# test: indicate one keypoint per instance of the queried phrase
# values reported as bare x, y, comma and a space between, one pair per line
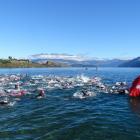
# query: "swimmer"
5, 101
18, 94
85, 93
17, 87
41, 94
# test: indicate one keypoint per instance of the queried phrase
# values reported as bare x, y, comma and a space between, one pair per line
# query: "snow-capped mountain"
77, 60
61, 56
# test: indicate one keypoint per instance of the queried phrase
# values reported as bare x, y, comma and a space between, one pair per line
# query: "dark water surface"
61, 117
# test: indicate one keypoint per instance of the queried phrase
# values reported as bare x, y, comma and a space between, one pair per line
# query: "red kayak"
135, 88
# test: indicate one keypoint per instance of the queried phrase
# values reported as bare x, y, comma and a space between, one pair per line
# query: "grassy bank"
25, 63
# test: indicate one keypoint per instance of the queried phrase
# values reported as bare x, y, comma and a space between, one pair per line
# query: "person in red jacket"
135, 88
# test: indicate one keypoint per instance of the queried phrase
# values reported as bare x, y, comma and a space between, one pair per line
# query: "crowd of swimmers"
17, 86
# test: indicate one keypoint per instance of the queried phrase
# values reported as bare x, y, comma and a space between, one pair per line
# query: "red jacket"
135, 88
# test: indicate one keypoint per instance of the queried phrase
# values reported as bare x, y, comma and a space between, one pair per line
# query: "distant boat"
96, 68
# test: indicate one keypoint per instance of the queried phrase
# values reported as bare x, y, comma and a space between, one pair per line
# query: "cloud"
72, 57
60, 56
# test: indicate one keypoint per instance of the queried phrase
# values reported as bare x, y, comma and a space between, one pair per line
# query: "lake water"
61, 117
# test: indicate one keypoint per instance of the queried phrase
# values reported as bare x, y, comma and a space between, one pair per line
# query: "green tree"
10, 58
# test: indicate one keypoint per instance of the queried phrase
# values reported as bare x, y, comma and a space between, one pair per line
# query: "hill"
25, 63
132, 63
86, 63
77, 60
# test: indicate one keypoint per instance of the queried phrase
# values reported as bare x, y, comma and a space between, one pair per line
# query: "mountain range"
132, 63
82, 61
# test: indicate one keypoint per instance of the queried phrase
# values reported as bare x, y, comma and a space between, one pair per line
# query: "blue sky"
97, 28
